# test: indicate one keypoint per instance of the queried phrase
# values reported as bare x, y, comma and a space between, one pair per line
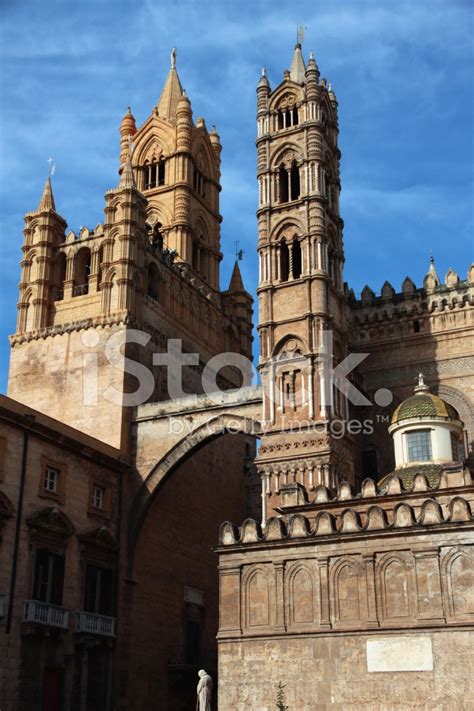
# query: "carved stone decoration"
430, 514
259, 592
459, 510
321, 494
228, 534
420, 483
376, 519
403, 516
394, 485
344, 491
394, 573
298, 526
350, 521
275, 529
346, 582
250, 531
324, 524
368, 489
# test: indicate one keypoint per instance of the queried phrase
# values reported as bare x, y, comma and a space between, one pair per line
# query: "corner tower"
300, 289
177, 167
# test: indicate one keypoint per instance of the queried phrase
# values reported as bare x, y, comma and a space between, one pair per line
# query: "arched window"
161, 172
61, 276
283, 178
199, 183
82, 270
288, 117
369, 464
284, 262
153, 281
154, 174
280, 120
296, 261
100, 259
295, 116
195, 256
295, 181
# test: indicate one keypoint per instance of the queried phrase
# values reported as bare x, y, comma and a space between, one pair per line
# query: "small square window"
51, 480
98, 496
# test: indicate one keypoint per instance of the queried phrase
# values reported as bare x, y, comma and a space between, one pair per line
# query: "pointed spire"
47, 199
172, 92
297, 69
431, 279
236, 283
263, 82
127, 180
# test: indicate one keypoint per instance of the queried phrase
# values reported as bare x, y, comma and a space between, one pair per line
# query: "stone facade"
303, 600
59, 529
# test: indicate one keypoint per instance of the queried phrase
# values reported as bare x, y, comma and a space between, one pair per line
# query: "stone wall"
303, 601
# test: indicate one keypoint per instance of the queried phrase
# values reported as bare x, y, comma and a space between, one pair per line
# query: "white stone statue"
204, 691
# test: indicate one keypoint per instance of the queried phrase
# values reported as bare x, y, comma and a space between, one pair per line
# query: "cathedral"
308, 540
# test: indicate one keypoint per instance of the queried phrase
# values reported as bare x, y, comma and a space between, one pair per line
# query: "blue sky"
402, 72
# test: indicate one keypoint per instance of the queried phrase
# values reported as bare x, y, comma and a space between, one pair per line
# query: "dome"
423, 404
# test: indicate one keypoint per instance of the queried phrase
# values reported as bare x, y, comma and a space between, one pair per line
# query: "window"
153, 281
155, 174
296, 249
283, 180
457, 448
284, 262
193, 642
51, 480
419, 446
294, 181
369, 464
98, 590
199, 183
416, 326
49, 577
98, 497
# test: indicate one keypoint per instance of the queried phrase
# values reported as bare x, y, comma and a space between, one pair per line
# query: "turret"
238, 304
128, 128
44, 231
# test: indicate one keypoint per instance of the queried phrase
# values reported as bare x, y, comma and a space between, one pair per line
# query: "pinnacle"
236, 283
47, 199
297, 69
172, 92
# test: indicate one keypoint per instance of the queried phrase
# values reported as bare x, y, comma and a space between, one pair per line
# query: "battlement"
415, 310
373, 510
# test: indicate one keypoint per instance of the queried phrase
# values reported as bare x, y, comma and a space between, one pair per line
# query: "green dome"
424, 404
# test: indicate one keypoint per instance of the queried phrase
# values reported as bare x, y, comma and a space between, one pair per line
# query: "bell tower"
300, 293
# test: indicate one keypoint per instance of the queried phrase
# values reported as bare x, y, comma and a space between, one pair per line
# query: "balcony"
42, 613
90, 623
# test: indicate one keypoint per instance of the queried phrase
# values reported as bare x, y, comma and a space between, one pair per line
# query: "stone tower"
177, 167
300, 282
90, 303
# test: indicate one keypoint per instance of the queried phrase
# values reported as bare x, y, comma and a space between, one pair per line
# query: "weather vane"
52, 167
300, 34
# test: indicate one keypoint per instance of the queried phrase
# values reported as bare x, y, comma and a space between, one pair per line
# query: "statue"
204, 691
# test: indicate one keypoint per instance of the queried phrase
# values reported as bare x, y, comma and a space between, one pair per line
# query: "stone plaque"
399, 654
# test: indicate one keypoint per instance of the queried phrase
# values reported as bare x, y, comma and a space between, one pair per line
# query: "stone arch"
258, 585
395, 587
300, 595
458, 578
465, 409
346, 597
281, 346
180, 452
285, 154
